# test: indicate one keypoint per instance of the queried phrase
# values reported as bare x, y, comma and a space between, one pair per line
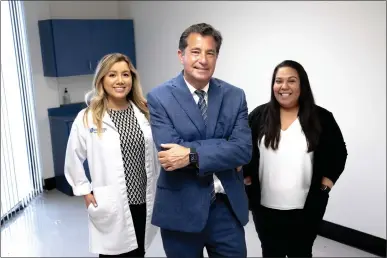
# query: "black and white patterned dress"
133, 153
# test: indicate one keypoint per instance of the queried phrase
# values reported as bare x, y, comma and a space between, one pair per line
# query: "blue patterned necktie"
202, 104
203, 109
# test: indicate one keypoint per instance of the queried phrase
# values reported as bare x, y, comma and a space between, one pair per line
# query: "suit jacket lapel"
215, 97
187, 103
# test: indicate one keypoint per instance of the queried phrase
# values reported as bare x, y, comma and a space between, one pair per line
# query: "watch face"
193, 158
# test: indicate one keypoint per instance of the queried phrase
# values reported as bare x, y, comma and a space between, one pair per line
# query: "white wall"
48, 91
342, 45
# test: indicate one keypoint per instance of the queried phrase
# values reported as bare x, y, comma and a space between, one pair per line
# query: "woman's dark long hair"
306, 113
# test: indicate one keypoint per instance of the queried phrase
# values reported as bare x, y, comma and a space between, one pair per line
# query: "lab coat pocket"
104, 216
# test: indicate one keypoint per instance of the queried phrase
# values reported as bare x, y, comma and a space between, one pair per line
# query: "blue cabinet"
112, 36
73, 47
69, 44
61, 120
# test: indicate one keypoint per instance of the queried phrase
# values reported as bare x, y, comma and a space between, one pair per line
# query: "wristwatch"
193, 157
325, 188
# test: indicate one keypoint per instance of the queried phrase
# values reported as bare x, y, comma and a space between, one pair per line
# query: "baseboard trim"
49, 183
355, 238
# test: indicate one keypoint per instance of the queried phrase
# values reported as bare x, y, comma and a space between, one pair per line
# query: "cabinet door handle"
89, 65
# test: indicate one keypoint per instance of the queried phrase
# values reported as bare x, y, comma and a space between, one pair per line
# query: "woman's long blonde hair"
96, 99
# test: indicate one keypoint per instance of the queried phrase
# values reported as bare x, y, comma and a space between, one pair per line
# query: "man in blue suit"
200, 128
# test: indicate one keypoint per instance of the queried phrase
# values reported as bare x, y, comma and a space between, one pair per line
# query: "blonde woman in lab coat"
114, 135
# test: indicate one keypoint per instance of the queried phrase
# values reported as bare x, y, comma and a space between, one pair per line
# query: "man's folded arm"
214, 154
163, 130
231, 153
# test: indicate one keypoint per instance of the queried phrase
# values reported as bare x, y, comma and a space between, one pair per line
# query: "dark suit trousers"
223, 235
283, 232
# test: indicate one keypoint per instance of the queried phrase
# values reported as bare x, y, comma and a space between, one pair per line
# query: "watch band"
193, 157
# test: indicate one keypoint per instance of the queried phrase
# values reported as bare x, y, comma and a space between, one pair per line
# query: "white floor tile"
55, 225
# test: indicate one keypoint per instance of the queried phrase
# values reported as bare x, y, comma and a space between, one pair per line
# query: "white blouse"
285, 174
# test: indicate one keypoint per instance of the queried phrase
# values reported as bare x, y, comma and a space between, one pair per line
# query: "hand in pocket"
247, 180
89, 198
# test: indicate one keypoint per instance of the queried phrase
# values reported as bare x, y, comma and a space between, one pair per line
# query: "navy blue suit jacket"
183, 196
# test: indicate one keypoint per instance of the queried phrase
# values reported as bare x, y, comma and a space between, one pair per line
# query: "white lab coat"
111, 229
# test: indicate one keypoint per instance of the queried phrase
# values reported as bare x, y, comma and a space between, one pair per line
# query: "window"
20, 166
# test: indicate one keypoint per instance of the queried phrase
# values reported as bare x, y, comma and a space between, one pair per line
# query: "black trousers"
283, 232
139, 220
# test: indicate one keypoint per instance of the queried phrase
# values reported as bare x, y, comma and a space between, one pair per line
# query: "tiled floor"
55, 225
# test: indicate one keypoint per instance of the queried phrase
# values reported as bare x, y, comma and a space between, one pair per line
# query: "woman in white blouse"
113, 133
298, 154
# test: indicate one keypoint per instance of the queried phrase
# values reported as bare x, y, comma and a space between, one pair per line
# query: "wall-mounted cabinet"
73, 46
